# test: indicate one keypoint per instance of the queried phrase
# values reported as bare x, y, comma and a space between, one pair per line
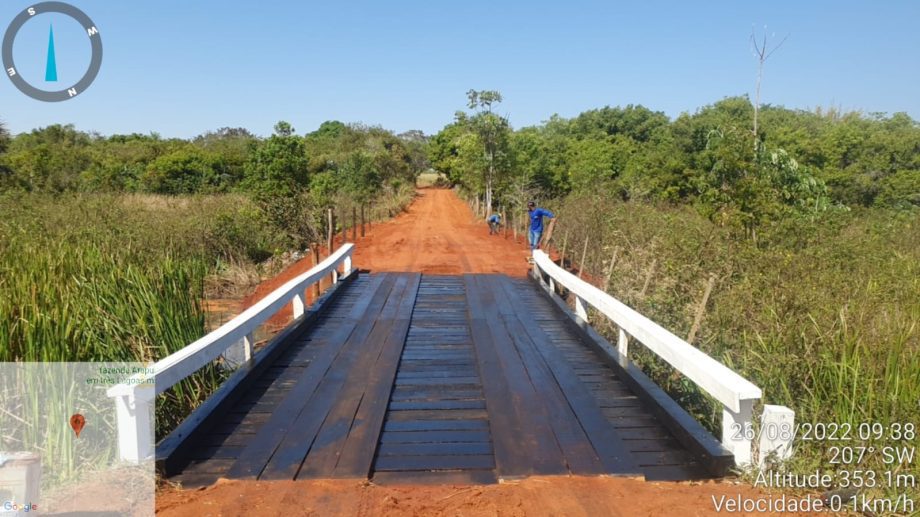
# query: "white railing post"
335, 276
623, 343
552, 285
298, 305
738, 431
248, 343
736, 393
134, 414
240, 352
580, 310
347, 266
777, 427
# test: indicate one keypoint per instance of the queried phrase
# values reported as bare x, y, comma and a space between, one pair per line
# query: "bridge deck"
434, 378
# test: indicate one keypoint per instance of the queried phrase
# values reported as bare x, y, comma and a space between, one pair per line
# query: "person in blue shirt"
536, 224
495, 222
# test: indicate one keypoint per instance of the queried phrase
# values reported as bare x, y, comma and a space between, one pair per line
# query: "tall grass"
823, 314
121, 277
117, 278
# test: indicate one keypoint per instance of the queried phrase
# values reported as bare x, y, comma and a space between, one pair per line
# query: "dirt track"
535, 496
439, 235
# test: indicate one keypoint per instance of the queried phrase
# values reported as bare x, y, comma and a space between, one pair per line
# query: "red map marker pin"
76, 423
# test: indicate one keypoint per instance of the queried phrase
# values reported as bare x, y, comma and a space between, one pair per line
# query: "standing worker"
536, 223
495, 223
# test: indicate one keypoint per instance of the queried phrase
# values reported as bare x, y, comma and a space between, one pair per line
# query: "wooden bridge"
418, 378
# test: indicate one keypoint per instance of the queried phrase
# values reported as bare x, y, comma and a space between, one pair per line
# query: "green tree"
277, 176
184, 171
493, 131
49, 159
119, 162
278, 165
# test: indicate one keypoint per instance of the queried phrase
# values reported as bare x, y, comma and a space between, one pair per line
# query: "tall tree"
493, 130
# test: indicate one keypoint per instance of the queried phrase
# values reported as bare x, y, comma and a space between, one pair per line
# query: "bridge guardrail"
736, 394
134, 399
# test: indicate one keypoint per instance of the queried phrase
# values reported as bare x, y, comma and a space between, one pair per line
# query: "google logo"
12, 506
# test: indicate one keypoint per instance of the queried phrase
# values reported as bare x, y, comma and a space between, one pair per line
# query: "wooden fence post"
584, 256
344, 225
648, 277
613, 261
314, 247
565, 242
701, 310
331, 229
362, 221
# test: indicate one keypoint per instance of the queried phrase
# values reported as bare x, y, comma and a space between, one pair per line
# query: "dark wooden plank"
663, 458
644, 433
433, 436
323, 424
436, 425
674, 472
605, 439
439, 404
357, 454
522, 440
445, 381
222, 452
214, 440
436, 449
443, 414
654, 445
437, 374
403, 463
254, 458
432, 395
576, 446
215, 466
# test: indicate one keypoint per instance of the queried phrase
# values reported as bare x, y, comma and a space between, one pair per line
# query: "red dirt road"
440, 235
535, 496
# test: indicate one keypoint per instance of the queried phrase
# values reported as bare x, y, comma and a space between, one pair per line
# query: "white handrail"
133, 396
736, 393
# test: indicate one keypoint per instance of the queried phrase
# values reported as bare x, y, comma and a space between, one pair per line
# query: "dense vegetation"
800, 162
809, 233
808, 230
291, 178
108, 244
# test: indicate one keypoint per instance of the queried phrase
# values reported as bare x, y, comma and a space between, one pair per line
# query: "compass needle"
51, 64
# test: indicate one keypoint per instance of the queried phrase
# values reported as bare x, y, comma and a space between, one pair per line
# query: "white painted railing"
134, 399
736, 393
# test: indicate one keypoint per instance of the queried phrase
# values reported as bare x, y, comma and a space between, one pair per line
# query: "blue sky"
180, 68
